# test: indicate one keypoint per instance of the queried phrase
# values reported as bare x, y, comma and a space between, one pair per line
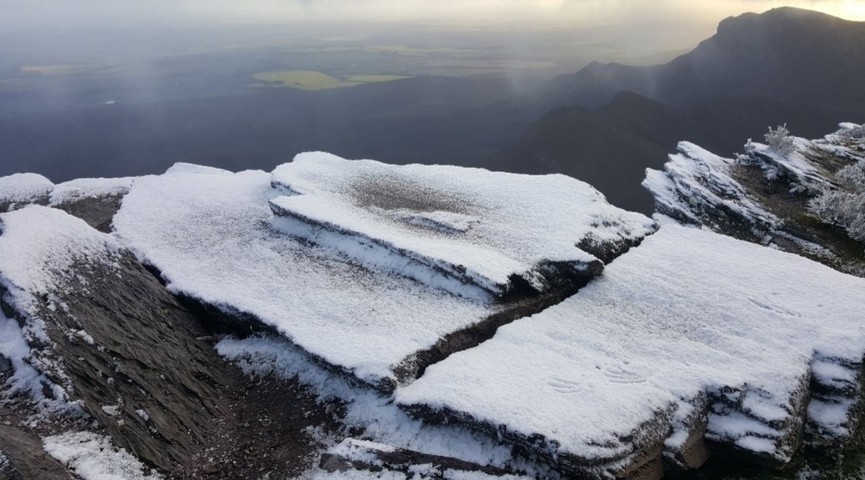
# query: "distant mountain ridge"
782, 54
798, 67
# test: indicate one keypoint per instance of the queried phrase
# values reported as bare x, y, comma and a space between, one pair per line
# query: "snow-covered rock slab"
690, 334
40, 246
82, 188
23, 188
451, 227
209, 233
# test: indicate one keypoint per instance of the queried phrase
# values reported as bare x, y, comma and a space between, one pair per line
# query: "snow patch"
22, 188
77, 189
831, 416
94, 457
142, 414
24, 378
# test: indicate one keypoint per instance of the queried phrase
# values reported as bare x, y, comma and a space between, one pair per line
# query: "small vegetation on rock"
780, 140
845, 206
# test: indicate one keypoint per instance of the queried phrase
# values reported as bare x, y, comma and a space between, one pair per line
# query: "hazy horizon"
644, 31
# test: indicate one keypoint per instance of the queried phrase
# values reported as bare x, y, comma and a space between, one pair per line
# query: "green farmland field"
313, 80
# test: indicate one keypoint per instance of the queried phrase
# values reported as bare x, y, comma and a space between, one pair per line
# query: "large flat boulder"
454, 227
216, 241
692, 336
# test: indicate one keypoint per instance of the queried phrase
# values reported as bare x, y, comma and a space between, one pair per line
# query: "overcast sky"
531, 13
629, 31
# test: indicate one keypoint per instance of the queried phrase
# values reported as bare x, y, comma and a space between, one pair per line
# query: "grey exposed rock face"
140, 353
22, 457
142, 365
96, 211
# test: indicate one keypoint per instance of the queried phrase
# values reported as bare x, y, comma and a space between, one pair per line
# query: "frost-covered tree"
780, 140
845, 206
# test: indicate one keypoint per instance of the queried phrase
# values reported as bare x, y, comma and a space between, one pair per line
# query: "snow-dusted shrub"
747, 158
845, 206
856, 132
780, 140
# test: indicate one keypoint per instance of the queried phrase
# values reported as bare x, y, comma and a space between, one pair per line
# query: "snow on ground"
23, 188
208, 232
89, 188
40, 246
376, 415
689, 313
94, 457
468, 225
25, 378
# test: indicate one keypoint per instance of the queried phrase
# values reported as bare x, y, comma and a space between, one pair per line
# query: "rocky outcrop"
763, 196
96, 211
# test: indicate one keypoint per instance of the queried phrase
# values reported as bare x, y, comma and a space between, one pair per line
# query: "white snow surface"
94, 457
686, 313
24, 188
208, 232
24, 377
89, 188
831, 416
475, 225
40, 245
836, 376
